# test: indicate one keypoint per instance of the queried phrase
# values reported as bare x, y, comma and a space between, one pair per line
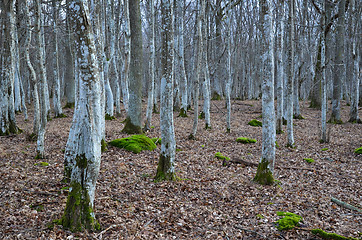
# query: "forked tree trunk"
83, 152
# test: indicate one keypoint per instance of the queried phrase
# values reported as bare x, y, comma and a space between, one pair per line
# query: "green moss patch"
245, 140
218, 155
255, 123
134, 143
156, 140
358, 150
324, 235
324, 149
309, 160
263, 174
289, 220
43, 164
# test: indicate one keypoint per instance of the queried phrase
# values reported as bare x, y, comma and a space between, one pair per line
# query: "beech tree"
83, 151
8, 67
166, 168
264, 174
134, 118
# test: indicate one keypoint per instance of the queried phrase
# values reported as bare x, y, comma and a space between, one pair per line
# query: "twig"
105, 230
345, 205
248, 230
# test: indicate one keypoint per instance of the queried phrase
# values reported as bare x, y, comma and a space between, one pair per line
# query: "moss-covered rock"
255, 123
245, 140
333, 236
218, 155
134, 143
358, 150
309, 160
289, 220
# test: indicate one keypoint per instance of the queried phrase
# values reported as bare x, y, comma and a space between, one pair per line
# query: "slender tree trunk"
280, 73
83, 150
323, 76
229, 80
290, 81
127, 57
42, 81
134, 118
197, 70
166, 168
151, 88
264, 174
206, 88
58, 112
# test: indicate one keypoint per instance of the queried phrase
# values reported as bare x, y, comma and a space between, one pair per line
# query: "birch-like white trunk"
42, 82
166, 164
7, 109
58, 112
290, 81
83, 151
207, 87
127, 57
229, 80
323, 76
197, 70
339, 69
280, 73
264, 174
354, 115
151, 87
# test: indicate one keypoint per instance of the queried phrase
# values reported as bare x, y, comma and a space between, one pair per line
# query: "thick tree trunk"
264, 174
339, 65
166, 168
7, 109
134, 118
83, 152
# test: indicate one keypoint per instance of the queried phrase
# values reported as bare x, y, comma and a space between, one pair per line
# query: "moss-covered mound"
309, 160
134, 143
289, 220
255, 123
220, 156
358, 150
245, 140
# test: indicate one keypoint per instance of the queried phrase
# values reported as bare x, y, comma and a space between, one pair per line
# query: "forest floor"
211, 201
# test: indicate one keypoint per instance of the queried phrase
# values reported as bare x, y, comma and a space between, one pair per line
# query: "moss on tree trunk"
264, 175
163, 170
130, 128
78, 214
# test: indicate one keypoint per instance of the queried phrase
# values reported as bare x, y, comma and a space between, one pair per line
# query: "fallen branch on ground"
345, 205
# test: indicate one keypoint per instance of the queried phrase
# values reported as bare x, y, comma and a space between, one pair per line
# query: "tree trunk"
280, 73
339, 65
7, 109
166, 168
290, 81
151, 88
264, 174
83, 150
323, 76
134, 118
